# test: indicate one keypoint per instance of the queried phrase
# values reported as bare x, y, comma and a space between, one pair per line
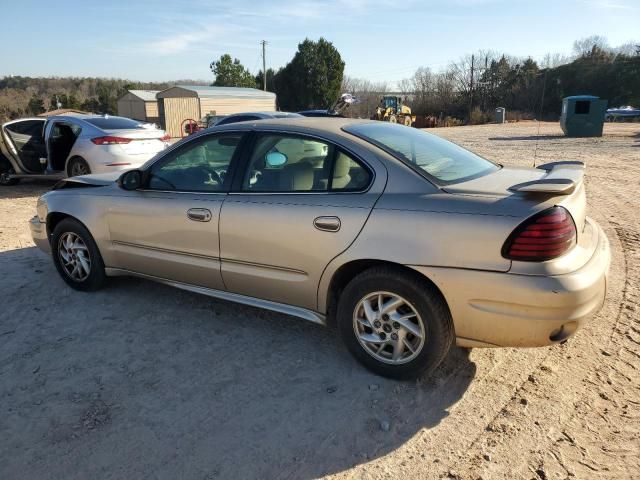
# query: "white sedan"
71, 145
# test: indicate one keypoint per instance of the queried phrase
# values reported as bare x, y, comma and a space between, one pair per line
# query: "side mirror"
276, 159
131, 180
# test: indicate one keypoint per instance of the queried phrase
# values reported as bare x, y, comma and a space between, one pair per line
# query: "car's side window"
287, 163
198, 166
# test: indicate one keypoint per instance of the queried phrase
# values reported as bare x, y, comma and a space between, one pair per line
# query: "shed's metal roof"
146, 95
204, 91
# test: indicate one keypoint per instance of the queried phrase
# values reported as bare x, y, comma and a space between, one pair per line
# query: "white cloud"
612, 5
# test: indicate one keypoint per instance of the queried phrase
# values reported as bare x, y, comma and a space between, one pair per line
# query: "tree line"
471, 88
468, 90
28, 96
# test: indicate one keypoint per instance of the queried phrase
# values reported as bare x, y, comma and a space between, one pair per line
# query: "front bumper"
494, 309
39, 234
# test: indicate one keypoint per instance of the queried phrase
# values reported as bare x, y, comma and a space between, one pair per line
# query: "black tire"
79, 165
427, 302
5, 170
96, 277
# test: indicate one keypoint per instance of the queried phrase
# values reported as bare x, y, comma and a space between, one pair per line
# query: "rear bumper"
39, 234
493, 309
113, 163
111, 158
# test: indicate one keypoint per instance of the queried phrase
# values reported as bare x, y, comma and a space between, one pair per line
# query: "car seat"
296, 177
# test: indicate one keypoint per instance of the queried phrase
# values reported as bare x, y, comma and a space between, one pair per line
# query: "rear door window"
296, 164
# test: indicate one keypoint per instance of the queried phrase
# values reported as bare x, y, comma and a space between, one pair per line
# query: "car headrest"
297, 176
342, 166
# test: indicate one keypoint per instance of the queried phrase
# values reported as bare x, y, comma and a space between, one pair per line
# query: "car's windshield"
115, 123
439, 159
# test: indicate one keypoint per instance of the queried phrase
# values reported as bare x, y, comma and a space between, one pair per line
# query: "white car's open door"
22, 143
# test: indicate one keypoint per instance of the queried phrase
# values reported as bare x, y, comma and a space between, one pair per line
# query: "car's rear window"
436, 158
286, 115
115, 123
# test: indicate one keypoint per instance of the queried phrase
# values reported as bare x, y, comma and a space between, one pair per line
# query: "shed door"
177, 110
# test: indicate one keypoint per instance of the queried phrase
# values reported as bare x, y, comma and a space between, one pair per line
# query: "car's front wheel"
76, 256
395, 323
6, 170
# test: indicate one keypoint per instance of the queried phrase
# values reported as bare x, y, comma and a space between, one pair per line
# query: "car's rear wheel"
78, 166
395, 323
76, 256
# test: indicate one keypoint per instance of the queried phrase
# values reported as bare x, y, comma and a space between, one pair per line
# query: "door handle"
199, 214
327, 224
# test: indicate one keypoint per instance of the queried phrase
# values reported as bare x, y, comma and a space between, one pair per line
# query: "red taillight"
544, 236
109, 140
166, 138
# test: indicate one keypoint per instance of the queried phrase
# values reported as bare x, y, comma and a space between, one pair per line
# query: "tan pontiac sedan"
404, 241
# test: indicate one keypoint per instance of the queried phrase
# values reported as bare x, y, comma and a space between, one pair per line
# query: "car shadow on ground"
142, 380
529, 137
26, 188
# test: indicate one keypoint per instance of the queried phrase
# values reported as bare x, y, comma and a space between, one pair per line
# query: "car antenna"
544, 86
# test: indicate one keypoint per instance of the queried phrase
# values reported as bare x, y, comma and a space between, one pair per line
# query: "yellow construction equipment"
393, 110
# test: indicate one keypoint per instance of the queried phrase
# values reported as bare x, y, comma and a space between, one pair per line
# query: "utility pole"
264, 65
471, 88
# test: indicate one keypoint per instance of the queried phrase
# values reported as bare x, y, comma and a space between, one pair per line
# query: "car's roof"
265, 114
85, 116
327, 124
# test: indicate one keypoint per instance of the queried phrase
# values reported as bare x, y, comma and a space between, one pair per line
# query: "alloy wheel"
79, 168
74, 256
389, 328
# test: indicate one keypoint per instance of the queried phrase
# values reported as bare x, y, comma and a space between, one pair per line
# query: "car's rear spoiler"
562, 178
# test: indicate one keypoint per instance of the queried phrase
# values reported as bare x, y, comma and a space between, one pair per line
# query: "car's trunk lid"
143, 141
556, 183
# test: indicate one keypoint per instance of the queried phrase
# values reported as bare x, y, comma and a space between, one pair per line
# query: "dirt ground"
143, 381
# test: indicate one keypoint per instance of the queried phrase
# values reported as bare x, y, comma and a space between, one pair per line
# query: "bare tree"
406, 87
553, 60
585, 45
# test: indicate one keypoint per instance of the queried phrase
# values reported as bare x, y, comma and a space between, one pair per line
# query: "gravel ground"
143, 381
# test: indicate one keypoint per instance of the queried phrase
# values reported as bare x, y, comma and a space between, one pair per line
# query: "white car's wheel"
5, 171
78, 166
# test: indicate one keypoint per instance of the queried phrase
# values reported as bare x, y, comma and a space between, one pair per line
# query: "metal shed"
140, 105
189, 102
583, 116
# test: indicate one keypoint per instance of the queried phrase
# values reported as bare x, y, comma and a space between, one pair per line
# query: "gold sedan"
404, 241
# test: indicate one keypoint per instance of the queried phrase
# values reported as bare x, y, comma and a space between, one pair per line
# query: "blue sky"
378, 39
